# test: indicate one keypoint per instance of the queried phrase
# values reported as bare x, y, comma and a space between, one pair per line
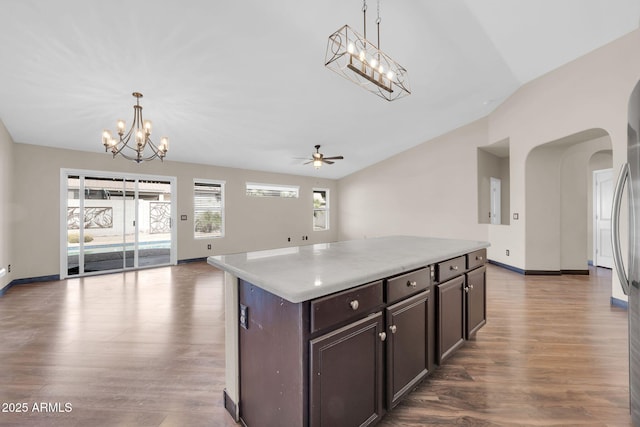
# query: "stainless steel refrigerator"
630, 174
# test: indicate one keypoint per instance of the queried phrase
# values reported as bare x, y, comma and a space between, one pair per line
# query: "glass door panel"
154, 222
129, 222
73, 225
102, 224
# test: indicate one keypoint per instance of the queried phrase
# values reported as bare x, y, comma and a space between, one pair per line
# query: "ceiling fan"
318, 158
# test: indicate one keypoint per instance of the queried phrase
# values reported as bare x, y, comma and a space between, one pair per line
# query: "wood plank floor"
146, 348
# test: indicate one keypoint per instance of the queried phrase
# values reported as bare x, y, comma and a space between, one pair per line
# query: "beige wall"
590, 92
251, 223
6, 184
429, 190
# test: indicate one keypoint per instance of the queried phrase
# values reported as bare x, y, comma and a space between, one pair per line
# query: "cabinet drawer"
452, 268
476, 259
340, 307
408, 284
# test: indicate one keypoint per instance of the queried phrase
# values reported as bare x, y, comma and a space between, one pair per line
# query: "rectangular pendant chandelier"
355, 58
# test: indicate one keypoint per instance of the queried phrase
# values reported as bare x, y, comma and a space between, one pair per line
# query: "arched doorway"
557, 199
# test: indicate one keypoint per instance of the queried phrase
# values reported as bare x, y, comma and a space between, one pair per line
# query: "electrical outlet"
209, 246
515, 215
507, 252
288, 239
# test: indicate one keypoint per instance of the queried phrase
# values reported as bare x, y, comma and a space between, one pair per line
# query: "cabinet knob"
393, 329
354, 304
466, 289
479, 258
383, 336
412, 283
470, 286
453, 267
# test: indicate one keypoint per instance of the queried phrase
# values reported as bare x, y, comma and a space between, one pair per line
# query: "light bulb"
381, 69
361, 56
147, 126
351, 48
390, 75
121, 125
106, 136
140, 136
373, 63
317, 164
164, 144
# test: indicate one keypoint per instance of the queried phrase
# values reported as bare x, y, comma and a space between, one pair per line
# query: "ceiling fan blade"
306, 163
329, 162
334, 158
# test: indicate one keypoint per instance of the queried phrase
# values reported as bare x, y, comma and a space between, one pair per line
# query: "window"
272, 190
208, 209
320, 209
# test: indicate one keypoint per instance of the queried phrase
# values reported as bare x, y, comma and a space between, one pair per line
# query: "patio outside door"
115, 223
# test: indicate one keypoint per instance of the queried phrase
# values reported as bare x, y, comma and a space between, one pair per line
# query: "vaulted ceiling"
243, 83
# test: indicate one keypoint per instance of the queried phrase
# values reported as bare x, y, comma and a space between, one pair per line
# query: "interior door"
603, 198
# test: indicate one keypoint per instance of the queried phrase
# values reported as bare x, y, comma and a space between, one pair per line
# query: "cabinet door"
476, 301
407, 346
346, 375
450, 317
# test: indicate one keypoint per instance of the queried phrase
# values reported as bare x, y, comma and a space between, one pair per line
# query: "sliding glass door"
116, 222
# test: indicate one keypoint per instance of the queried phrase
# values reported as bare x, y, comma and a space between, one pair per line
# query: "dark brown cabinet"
347, 358
475, 301
451, 327
407, 326
461, 301
346, 375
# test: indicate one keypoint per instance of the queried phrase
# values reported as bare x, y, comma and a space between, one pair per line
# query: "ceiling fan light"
317, 163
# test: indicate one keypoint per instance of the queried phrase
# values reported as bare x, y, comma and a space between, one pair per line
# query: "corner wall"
6, 185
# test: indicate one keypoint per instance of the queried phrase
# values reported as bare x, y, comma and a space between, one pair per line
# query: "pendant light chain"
364, 14
378, 24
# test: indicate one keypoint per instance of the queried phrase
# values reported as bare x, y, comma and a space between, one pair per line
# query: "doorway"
602, 199
496, 204
113, 222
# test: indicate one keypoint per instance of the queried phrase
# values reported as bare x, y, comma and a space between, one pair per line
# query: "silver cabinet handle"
393, 329
412, 283
466, 289
383, 336
354, 304
615, 228
453, 267
478, 258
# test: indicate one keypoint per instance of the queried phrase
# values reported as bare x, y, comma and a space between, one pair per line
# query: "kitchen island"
337, 334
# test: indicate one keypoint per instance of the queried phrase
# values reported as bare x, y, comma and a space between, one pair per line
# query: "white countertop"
303, 273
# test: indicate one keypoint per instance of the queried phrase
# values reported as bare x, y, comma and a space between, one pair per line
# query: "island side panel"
273, 360
232, 385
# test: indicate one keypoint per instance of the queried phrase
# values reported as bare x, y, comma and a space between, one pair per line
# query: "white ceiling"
243, 83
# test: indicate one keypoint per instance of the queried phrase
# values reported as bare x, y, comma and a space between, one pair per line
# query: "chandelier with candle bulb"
359, 60
139, 135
